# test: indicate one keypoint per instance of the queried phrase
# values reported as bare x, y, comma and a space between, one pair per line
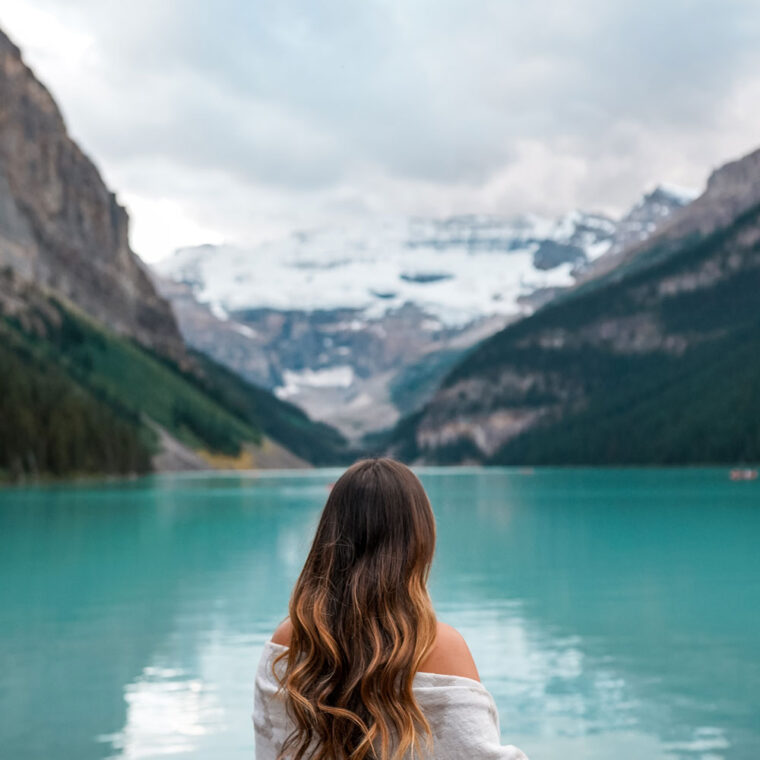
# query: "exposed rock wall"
60, 226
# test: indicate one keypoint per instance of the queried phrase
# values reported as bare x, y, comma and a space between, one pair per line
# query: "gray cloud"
426, 106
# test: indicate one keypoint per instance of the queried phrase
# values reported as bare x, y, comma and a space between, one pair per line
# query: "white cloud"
235, 120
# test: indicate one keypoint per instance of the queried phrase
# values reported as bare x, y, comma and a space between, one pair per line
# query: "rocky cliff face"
648, 216
61, 229
648, 349
731, 190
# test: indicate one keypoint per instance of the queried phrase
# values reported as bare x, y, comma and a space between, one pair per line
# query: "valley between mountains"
478, 339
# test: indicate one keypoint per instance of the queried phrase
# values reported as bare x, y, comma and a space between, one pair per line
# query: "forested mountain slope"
94, 375
658, 362
75, 398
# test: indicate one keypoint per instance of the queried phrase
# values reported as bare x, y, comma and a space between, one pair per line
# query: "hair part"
362, 620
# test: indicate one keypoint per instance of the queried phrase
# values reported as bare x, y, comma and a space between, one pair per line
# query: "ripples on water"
612, 614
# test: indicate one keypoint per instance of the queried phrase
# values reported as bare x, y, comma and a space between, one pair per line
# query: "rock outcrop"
60, 227
731, 190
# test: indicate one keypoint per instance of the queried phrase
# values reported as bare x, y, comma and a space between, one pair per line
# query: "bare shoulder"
282, 634
450, 655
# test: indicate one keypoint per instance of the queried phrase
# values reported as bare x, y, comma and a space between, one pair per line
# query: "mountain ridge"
577, 380
341, 321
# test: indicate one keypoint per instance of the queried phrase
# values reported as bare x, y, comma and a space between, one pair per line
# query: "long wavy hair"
362, 621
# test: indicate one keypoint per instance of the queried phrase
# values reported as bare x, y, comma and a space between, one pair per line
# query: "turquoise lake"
614, 615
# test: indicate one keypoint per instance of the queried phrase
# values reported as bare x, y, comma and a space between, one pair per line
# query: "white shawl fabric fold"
461, 712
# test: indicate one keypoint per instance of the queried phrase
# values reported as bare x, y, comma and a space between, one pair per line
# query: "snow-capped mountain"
644, 218
456, 269
356, 323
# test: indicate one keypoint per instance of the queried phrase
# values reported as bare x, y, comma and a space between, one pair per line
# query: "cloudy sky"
237, 120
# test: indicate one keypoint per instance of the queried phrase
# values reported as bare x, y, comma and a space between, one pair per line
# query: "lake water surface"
614, 615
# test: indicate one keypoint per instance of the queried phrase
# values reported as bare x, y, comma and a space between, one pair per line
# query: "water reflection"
611, 614
167, 712
630, 614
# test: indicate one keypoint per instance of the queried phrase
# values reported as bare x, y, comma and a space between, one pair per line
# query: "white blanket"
461, 712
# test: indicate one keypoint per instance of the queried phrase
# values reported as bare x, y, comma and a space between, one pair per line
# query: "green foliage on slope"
701, 408
79, 399
51, 425
619, 294
699, 403
286, 423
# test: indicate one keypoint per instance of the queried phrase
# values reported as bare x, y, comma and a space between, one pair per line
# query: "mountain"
652, 212
60, 226
655, 361
731, 189
94, 374
359, 324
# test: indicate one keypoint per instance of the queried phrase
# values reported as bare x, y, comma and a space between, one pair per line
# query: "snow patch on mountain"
456, 270
357, 324
333, 377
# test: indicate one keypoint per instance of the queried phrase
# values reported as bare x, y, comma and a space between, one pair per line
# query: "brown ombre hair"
362, 620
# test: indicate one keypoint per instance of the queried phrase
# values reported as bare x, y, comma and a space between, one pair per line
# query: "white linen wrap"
461, 712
